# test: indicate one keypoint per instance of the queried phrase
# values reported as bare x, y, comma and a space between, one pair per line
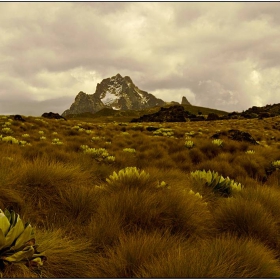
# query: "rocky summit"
118, 93
185, 101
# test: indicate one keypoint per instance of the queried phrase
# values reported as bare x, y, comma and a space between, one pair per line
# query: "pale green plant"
43, 138
276, 163
95, 138
41, 132
124, 133
163, 185
197, 194
54, 133
250, 152
89, 131
7, 130
76, 127
17, 241
110, 159
10, 139
84, 147
189, 144
218, 142
99, 154
129, 150
168, 132
56, 141
22, 143
217, 182
128, 172
8, 123
25, 135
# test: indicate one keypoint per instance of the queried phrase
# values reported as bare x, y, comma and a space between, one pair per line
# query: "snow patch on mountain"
109, 98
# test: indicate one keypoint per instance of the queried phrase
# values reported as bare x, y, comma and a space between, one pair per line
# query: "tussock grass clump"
142, 214
243, 217
223, 257
67, 258
267, 197
177, 211
125, 258
78, 202
209, 149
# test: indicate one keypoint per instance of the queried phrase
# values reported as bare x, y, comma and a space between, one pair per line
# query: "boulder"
19, 118
52, 115
171, 114
213, 117
236, 135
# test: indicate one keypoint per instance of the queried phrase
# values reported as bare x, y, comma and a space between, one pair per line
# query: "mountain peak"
185, 101
118, 93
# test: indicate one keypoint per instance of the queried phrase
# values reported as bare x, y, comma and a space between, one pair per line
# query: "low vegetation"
145, 200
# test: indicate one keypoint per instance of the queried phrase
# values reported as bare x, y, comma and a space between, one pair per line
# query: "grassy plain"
94, 217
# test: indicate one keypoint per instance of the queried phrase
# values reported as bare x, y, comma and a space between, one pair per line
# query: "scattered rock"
263, 115
152, 128
236, 135
197, 119
276, 126
171, 114
213, 117
52, 115
19, 118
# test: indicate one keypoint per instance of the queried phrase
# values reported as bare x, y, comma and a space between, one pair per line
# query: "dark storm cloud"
223, 54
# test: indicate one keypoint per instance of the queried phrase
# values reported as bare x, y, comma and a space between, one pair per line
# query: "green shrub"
17, 241
219, 184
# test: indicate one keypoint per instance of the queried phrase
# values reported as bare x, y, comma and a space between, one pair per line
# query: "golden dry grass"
155, 221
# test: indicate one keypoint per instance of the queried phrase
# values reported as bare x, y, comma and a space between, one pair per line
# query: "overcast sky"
223, 55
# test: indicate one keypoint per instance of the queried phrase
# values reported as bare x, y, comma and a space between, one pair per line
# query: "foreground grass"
116, 200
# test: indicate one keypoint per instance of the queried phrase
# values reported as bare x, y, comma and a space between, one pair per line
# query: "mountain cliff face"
185, 101
84, 103
118, 93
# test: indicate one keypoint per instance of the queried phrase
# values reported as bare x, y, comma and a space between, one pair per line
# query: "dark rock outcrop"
237, 135
213, 117
172, 114
197, 119
18, 118
52, 115
151, 128
118, 93
185, 101
262, 112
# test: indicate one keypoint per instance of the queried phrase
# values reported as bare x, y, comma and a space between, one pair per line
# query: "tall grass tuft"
177, 211
67, 258
243, 217
125, 258
222, 257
